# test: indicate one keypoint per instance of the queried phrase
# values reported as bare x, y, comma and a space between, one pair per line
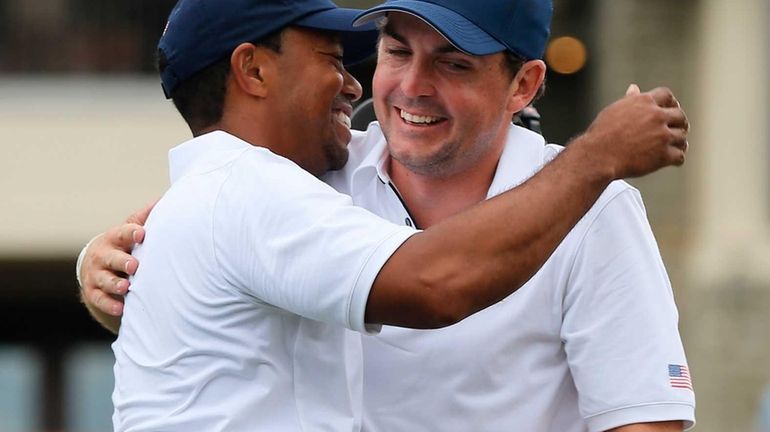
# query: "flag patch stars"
679, 376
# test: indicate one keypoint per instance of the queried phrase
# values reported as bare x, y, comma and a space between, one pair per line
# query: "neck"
431, 199
253, 119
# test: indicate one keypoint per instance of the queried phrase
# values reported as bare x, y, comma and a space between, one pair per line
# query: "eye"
397, 52
456, 66
337, 57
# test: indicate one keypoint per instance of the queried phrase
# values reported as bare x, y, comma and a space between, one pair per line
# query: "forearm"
479, 257
470, 261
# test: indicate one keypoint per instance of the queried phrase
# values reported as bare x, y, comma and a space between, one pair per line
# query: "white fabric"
251, 271
584, 346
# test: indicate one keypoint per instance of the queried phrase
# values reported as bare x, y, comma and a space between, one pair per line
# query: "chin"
339, 162
337, 157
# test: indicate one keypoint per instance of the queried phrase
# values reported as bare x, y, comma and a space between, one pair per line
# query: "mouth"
342, 110
342, 117
415, 119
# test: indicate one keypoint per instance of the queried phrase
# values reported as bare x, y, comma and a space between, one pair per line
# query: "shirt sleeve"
290, 241
620, 323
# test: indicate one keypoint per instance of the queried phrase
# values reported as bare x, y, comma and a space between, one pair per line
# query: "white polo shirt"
251, 273
588, 344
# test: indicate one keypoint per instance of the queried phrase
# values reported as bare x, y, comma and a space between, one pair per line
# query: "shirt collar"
375, 163
191, 156
523, 156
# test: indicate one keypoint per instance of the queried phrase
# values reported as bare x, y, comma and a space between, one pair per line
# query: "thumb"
633, 89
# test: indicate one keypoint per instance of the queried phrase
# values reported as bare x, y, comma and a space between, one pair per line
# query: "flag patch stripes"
679, 376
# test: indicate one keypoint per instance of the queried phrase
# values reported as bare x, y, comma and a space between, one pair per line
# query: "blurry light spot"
566, 55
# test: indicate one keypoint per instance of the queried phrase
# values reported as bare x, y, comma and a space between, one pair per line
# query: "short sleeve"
290, 241
620, 323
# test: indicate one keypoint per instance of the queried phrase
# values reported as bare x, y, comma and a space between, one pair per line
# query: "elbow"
444, 306
445, 318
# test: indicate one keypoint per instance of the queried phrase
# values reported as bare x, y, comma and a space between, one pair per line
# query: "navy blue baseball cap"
201, 32
480, 27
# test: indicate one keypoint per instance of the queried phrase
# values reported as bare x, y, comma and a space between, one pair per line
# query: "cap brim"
359, 42
459, 31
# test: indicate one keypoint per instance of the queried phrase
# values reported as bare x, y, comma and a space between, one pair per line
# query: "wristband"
80, 259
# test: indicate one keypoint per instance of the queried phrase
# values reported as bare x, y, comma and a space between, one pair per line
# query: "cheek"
384, 81
378, 85
379, 96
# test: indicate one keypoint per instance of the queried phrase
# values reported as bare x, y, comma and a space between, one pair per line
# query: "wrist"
591, 159
81, 257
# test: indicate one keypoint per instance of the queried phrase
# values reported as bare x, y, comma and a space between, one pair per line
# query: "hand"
639, 133
107, 264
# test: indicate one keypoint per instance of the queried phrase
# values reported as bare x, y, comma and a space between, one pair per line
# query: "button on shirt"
252, 273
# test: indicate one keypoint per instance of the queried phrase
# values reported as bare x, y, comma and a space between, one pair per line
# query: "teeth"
342, 118
411, 118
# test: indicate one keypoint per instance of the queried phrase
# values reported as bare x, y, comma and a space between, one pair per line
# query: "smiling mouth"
343, 118
419, 120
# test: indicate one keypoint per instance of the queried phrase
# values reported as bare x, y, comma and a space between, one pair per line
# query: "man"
644, 119
600, 348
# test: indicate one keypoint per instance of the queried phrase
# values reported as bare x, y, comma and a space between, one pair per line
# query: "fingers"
109, 282
140, 217
632, 90
104, 268
679, 125
125, 237
116, 261
107, 260
663, 97
676, 118
676, 155
679, 139
109, 304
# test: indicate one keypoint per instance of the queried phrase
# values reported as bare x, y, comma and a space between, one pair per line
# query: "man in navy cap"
260, 343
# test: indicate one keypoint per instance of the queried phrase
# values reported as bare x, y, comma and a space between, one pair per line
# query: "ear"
525, 84
252, 68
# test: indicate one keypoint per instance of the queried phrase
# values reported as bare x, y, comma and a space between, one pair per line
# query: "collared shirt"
252, 272
588, 344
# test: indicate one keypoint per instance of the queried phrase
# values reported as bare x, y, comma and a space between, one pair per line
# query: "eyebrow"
448, 48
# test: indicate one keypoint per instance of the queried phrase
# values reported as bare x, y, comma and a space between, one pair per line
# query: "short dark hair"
512, 63
200, 99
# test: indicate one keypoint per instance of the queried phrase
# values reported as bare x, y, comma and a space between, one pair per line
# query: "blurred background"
84, 131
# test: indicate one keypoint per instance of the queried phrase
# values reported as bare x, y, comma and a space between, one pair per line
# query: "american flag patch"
679, 376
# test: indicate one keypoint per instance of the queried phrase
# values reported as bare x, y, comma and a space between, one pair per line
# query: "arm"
470, 261
104, 265
620, 323
477, 258
675, 426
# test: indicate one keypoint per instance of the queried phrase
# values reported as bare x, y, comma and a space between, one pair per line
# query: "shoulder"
617, 212
259, 163
619, 190
261, 179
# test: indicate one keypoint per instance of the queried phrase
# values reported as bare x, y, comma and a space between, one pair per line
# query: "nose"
416, 80
351, 88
